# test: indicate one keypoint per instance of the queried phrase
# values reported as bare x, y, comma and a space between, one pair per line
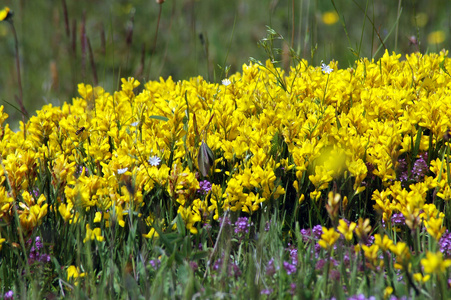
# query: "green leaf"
161, 118
417, 143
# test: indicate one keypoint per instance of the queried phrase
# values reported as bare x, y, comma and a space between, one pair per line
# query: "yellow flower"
434, 263
363, 229
420, 20
436, 37
32, 213
328, 238
420, 278
5, 13
92, 234
388, 291
98, 217
333, 204
435, 227
384, 243
371, 253
402, 252
74, 272
330, 17
2, 240
346, 230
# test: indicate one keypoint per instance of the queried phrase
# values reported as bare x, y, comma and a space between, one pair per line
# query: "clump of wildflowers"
9, 295
205, 187
232, 268
35, 252
242, 226
445, 244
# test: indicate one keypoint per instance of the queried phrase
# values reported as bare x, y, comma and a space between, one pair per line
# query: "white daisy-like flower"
122, 171
326, 69
226, 82
154, 160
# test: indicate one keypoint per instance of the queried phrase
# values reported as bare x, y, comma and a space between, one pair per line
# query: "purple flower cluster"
397, 219
266, 292
35, 255
419, 169
361, 297
312, 234
445, 243
242, 226
271, 268
232, 268
9, 295
194, 266
226, 221
205, 187
290, 268
155, 263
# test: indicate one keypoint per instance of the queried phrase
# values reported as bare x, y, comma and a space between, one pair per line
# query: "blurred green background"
195, 37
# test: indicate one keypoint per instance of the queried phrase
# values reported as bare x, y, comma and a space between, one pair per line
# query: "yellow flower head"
330, 17
434, 263
328, 238
74, 272
5, 14
346, 230
436, 37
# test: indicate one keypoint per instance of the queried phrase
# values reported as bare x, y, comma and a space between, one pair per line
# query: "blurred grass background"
195, 37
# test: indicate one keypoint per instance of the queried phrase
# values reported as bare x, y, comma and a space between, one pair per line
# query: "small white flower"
154, 160
134, 124
326, 69
122, 171
226, 82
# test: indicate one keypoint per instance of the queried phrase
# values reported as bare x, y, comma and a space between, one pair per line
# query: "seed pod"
205, 159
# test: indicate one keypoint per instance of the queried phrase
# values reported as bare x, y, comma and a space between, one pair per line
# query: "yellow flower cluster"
333, 124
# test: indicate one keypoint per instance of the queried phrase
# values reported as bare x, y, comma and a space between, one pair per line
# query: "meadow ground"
309, 160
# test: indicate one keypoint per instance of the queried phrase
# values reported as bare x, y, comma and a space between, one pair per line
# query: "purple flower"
267, 226
226, 221
292, 288
242, 226
445, 243
317, 231
289, 268
398, 219
36, 192
234, 270
271, 268
294, 256
207, 227
217, 264
361, 297
320, 264
193, 265
38, 243
155, 263
419, 169
335, 275
306, 235
9, 295
205, 187
35, 255
266, 292
45, 258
